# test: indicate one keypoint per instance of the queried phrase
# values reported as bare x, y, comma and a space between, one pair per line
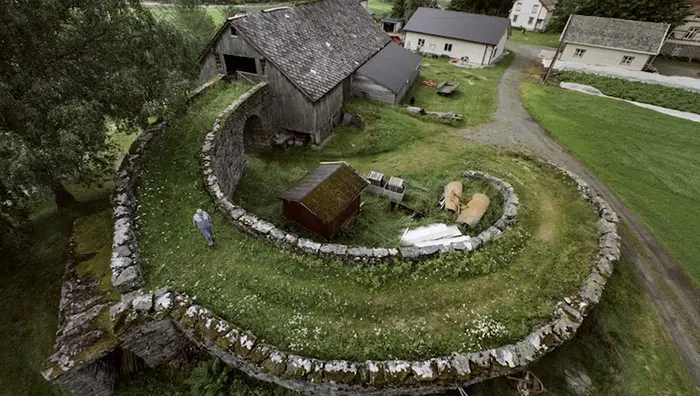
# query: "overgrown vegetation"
535, 38
648, 159
659, 95
436, 307
476, 97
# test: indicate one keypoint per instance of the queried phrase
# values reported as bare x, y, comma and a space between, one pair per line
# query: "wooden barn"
325, 198
307, 53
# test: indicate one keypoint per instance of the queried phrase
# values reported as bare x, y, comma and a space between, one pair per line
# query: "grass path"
535, 38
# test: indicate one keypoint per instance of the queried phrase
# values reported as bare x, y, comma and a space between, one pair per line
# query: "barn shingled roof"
327, 190
316, 45
623, 34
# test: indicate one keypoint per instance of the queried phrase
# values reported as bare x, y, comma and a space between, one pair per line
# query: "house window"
233, 31
627, 60
518, 6
448, 47
515, 18
579, 53
535, 8
691, 33
530, 20
421, 42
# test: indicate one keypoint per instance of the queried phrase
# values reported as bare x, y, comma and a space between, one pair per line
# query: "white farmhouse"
474, 38
684, 40
531, 14
620, 43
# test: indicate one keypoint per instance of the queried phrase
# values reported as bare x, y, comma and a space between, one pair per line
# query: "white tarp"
587, 89
688, 83
431, 235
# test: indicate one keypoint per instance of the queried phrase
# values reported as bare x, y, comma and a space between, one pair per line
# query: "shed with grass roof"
325, 198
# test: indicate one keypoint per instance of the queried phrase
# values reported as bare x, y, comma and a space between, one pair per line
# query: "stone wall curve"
182, 317
223, 163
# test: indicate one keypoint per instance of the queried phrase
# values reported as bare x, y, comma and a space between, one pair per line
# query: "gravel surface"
672, 293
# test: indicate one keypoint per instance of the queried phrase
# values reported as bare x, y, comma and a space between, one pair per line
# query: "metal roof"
463, 26
392, 67
623, 34
327, 190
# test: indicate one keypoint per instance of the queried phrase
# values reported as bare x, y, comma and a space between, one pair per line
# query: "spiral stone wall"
156, 324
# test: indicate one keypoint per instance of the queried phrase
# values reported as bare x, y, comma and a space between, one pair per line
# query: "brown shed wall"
299, 214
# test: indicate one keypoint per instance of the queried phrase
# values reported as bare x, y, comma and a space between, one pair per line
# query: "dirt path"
673, 295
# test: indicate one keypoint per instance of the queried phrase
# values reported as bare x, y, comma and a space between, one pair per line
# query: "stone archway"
255, 137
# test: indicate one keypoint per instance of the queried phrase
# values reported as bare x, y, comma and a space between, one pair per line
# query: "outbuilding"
476, 39
388, 75
307, 53
325, 198
619, 43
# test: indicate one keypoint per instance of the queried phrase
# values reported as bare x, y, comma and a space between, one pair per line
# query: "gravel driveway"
673, 295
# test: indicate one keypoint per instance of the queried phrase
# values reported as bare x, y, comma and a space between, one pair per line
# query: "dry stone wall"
223, 160
156, 325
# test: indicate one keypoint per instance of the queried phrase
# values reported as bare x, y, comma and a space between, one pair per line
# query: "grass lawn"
381, 8
476, 98
535, 38
161, 12
402, 310
649, 159
659, 95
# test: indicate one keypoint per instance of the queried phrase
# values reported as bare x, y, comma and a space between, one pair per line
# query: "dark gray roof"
327, 190
315, 45
477, 28
391, 20
391, 67
623, 34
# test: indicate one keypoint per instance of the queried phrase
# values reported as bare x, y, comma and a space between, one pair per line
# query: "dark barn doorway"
239, 63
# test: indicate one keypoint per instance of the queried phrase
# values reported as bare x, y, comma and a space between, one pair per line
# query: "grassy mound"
404, 310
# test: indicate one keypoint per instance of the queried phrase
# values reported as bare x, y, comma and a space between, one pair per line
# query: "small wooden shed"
325, 198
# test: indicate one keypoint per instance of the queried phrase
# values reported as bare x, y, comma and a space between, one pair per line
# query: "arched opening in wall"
254, 135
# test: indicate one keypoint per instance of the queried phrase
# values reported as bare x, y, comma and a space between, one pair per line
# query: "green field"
476, 98
535, 38
649, 159
659, 95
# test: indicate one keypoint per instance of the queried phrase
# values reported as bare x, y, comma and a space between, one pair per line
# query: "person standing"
202, 220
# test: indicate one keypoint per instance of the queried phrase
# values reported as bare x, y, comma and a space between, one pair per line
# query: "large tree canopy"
405, 8
66, 68
668, 11
488, 7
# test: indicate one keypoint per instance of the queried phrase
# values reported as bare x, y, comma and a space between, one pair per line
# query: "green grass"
476, 97
649, 160
381, 8
167, 13
272, 172
535, 38
659, 95
401, 310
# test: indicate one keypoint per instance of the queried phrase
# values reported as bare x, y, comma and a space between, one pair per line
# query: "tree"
404, 9
668, 11
488, 7
398, 9
66, 67
192, 18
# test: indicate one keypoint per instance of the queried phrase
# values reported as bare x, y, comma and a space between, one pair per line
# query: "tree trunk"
63, 197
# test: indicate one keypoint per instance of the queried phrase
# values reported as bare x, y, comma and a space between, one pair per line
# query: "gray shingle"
315, 45
391, 67
477, 28
624, 34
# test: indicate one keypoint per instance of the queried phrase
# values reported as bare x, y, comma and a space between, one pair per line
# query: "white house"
684, 40
531, 14
620, 43
474, 38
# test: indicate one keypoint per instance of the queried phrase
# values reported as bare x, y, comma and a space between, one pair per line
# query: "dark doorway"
254, 135
239, 63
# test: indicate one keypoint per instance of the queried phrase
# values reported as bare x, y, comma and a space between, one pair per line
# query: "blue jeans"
208, 234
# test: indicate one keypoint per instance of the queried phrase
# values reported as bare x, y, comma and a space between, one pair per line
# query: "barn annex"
307, 53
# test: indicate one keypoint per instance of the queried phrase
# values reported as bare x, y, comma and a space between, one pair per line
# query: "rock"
340, 371
120, 262
332, 249
164, 301
308, 245
380, 253
143, 303
298, 367
128, 279
262, 226
375, 373
397, 372
579, 382
507, 356
122, 251
409, 252
117, 309
275, 364
605, 227
423, 371
459, 364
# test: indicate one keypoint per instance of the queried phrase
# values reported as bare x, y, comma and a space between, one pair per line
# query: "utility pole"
562, 43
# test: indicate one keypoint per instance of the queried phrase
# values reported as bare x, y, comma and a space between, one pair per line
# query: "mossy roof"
327, 190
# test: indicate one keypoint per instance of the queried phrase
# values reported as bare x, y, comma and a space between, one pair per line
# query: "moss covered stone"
275, 364
398, 372
259, 353
340, 371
